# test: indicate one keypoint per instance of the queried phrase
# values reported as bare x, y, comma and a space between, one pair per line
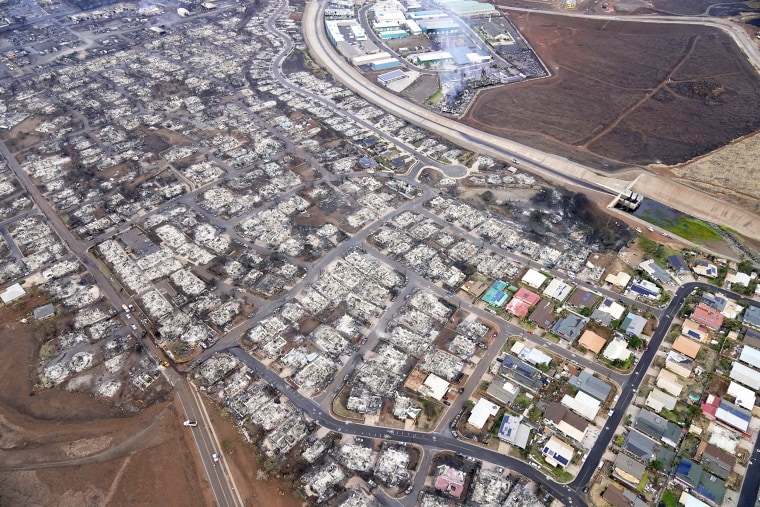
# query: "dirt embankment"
63, 448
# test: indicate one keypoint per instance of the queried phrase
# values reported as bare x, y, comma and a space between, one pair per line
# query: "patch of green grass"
643, 482
669, 415
433, 100
695, 230
688, 228
669, 499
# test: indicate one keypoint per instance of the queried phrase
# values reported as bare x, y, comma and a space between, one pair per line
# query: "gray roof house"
591, 385
658, 428
633, 324
640, 445
752, 316
570, 327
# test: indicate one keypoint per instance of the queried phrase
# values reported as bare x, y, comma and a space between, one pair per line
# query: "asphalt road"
571, 493
220, 480
547, 165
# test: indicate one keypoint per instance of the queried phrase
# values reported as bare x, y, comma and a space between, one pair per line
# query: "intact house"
707, 316
557, 453
569, 327
565, 421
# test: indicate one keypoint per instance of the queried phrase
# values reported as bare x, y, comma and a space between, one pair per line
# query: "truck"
125, 308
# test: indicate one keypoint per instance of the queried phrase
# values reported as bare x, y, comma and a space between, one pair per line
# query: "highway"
548, 166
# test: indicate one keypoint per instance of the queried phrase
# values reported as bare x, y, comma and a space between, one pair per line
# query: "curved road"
742, 39
568, 493
547, 165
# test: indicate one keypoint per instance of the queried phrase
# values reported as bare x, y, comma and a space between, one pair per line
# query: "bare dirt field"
256, 488
682, 7
728, 173
627, 92
63, 448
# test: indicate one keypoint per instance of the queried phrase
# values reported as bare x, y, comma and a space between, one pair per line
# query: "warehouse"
391, 76
366, 59
385, 64
439, 26
471, 9
432, 57
423, 15
392, 34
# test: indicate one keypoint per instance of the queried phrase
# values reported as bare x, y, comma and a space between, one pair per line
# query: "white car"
215, 458
191, 424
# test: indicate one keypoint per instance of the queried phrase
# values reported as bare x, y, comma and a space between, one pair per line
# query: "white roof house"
691, 501
733, 416
619, 280
739, 278
482, 410
583, 404
557, 453
745, 398
558, 290
657, 400
534, 356
668, 382
617, 349
435, 387
613, 308
750, 356
534, 278
12, 293
745, 375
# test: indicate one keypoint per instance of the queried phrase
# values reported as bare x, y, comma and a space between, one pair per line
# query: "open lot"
66, 448
628, 92
726, 173
63, 448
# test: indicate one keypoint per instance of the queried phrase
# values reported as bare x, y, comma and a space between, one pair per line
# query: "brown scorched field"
631, 93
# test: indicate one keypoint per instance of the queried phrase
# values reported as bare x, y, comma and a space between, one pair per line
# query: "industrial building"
432, 57
385, 64
391, 76
470, 8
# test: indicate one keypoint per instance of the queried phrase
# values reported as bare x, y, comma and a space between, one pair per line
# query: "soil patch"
256, 488
629, 92
63, 448
728, 173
